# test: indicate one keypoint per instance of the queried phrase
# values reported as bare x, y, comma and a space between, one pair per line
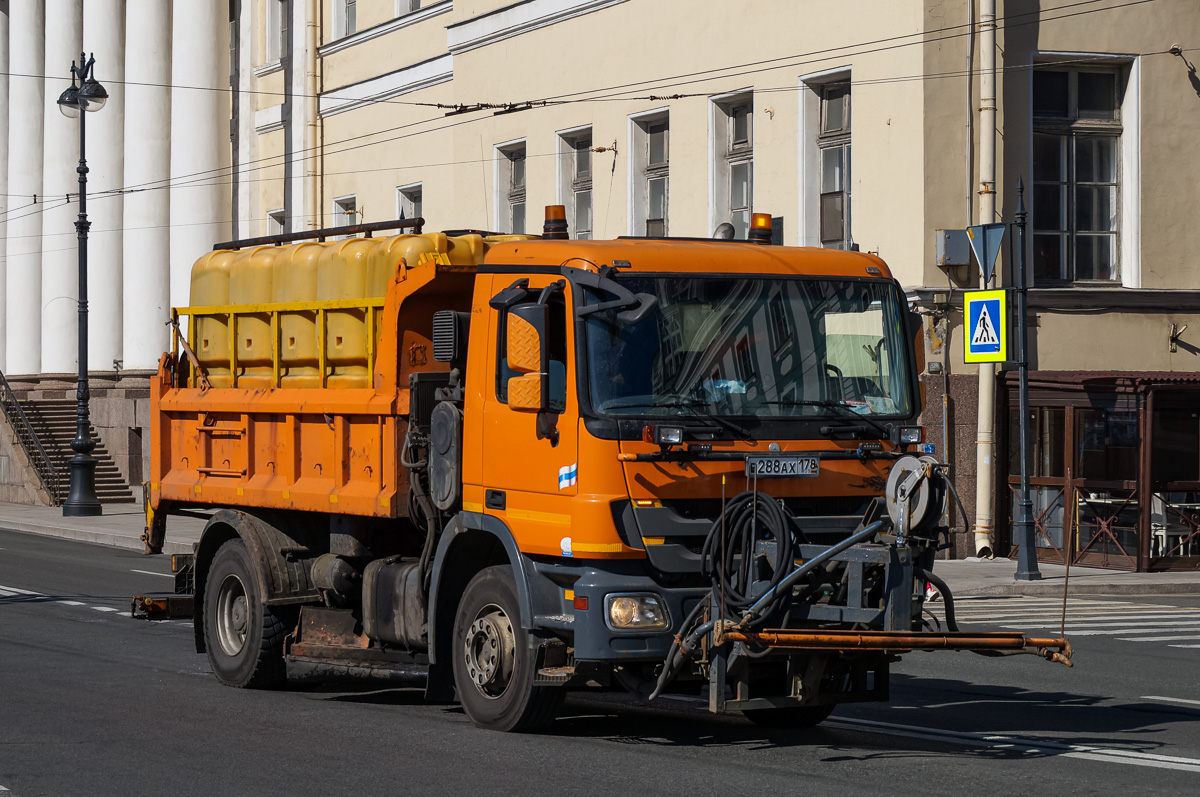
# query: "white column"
199, 136
23, 298
60, 158
146, 280
4, 203
104, 35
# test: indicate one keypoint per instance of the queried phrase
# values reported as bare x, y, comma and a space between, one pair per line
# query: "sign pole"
1027, 565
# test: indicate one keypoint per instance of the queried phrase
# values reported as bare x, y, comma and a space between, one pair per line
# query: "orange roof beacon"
515, 465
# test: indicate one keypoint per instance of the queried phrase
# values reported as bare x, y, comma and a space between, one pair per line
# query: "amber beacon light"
555, 227
760, 228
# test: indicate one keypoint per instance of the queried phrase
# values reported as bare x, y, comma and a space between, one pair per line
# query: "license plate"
764, 467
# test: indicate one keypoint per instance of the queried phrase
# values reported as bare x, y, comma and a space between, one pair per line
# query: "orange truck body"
544, 507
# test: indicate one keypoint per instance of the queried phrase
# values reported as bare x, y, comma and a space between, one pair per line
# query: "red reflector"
647, 434
580, 603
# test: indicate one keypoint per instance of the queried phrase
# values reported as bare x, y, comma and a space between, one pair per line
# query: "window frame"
277, 217
350, 215
727, 154
837, 140
404, 200
575, 183
1070, 129
276, 30
510, 195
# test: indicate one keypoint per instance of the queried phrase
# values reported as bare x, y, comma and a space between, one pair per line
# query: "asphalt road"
95, 703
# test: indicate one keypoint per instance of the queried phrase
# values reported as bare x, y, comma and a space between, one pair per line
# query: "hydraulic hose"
729, 557
951, 621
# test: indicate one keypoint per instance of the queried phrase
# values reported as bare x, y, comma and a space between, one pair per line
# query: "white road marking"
1111, 755
21, 591
71, 603
1108, 631
1154, 638
1134, 621
1183, 646
152, 573
1172, 699
105, 609
1075, 619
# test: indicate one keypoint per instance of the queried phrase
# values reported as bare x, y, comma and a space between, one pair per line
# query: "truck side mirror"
916, 328
526, 325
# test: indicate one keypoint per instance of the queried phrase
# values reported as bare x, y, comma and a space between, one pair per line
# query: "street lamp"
86, 95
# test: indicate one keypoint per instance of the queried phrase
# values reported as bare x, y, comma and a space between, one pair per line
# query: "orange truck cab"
501, 467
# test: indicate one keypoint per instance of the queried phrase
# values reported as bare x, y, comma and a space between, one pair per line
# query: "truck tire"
244, 637
789, 716
493, 664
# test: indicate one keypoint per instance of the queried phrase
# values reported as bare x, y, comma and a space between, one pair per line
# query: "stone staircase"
54, 422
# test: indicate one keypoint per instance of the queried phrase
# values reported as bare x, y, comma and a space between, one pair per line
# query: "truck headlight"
635, 612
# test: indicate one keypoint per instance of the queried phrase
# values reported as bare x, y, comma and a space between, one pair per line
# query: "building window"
408, 202
276, 222
733, 140
575, 180
833, 142
346, 212
345, 18
277, 30
651, 151
512, 187
407, 7
1076, 175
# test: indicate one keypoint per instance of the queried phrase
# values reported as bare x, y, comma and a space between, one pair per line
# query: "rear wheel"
244, 637
789, 717
494, 668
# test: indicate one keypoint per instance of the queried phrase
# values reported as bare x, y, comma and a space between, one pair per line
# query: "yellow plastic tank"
342, 273
250, 282
210, 336
295, 280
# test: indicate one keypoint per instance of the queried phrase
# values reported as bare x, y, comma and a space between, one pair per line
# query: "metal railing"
48, 474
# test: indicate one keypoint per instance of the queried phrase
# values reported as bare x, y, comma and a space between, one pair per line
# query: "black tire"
244, 638
493, 665
789, 717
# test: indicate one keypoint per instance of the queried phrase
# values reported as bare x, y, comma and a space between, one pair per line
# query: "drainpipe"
312, 89
984, 448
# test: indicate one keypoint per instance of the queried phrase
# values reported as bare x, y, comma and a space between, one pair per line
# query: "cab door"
530, 459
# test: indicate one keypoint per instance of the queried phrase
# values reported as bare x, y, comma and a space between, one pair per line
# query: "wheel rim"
233, 615
489, 651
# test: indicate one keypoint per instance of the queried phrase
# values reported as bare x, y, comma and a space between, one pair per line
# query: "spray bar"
1051, 649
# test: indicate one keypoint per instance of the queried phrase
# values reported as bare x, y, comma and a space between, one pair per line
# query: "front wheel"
244, 637
494, 667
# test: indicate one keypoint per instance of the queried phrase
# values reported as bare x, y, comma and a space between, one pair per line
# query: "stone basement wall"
120, 414
19, 483
961, 421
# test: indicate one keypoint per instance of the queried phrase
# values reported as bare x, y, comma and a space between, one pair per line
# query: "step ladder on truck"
501, 467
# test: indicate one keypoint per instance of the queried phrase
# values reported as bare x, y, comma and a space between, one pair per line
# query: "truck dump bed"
292, 391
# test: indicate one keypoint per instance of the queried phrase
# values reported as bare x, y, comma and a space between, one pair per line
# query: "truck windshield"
768, 348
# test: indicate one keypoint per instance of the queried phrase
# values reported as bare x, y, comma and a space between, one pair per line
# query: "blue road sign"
986, 328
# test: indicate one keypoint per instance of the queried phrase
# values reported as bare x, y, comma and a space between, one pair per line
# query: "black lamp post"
87, 95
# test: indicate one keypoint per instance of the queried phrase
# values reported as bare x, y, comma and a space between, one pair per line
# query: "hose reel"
915, 494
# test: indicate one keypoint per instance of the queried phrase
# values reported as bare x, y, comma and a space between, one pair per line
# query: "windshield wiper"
867, 421
695, 405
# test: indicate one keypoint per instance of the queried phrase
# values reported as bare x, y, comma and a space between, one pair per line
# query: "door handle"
494, 499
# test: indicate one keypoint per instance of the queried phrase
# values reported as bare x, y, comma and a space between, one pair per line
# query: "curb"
1078, 590
111, 539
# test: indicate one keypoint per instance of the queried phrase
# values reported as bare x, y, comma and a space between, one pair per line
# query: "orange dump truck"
501, 467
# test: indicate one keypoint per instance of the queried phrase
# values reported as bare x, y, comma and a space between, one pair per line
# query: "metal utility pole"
1027, 566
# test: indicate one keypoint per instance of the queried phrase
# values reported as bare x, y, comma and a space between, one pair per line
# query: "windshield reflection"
753, 347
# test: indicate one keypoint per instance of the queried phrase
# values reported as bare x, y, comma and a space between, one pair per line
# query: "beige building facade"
854, 124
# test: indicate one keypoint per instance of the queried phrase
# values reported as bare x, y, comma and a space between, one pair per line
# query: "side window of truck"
556, 342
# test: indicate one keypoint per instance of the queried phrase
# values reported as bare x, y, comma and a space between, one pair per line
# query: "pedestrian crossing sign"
986, 329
